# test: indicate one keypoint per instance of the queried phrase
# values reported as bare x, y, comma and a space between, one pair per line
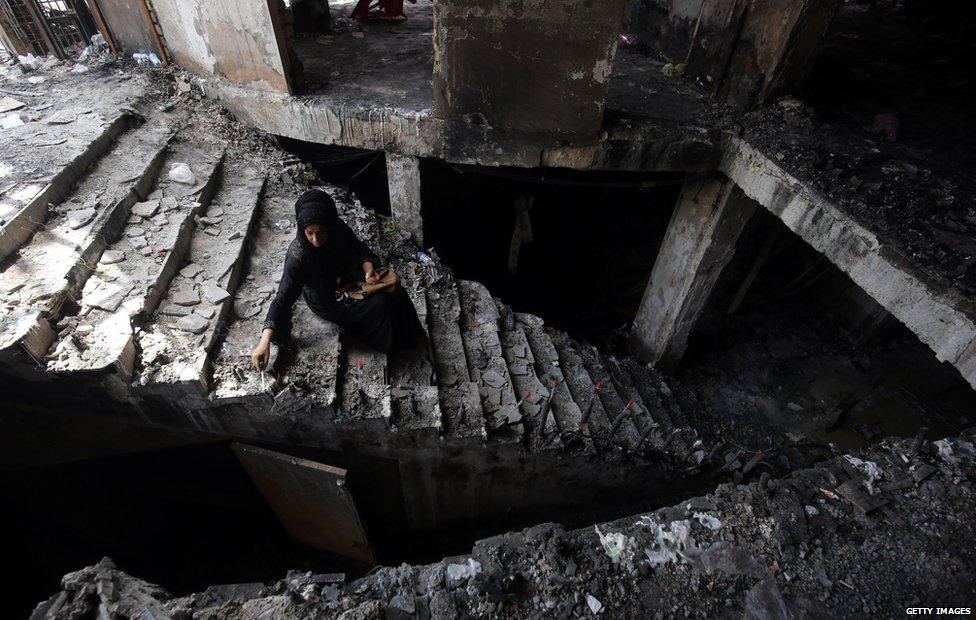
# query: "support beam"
403, 177
710, 214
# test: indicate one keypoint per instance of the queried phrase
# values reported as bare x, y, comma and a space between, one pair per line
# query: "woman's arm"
366, 256
279, 313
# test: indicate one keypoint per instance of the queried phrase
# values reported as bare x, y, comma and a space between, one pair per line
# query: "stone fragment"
180, 172
214, 293
146, 209
138, 242
185, 297
110, 257
493, 379
80, 217
193, 323
206, 312
106, 296
175, 310
191, 270
135, 231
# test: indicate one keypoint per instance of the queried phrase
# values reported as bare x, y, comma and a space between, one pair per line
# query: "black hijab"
329, 263
315, 207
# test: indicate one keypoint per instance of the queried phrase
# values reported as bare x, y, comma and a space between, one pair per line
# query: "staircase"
156, 291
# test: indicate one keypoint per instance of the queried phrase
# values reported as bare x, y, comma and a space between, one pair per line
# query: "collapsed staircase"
155, 289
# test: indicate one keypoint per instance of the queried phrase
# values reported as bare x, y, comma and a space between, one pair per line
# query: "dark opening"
594, 237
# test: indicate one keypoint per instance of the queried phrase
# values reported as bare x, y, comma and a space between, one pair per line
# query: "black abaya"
385, 321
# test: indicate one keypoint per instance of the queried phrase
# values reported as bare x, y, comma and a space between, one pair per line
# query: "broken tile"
191, 270
10, 121
139, 242
214, 293
80, 217
175, 310
110, 257
185, 297
135, 231
193, 323
146, 209
8, 104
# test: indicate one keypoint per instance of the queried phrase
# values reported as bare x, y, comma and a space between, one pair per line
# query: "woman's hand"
262, 353
371, 276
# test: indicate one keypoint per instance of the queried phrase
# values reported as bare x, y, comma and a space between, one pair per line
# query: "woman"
325, 256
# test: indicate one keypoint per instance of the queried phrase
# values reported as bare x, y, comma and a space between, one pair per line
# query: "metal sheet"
310, 499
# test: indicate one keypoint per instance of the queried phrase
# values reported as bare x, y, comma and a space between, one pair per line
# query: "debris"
185, 297
461, 572
193, 323
708, 521
672, 70
618, 547
145, 209
110, 257
10, 121
30, 62
594, 604
869, 469
80, 217
191, 270
764, 600
181, 173
79, 68
8, 104
61, 117
143, 58
214, 293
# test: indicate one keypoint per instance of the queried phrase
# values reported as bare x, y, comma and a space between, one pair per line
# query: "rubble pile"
859, 535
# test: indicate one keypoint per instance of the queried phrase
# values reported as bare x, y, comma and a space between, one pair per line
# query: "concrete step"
460, 402
235, 382
534, 397
133, 273
648, 382
365, 402
568, 415
177, 343
58, 260
651, 432
584, 391
486, 362
622, 412
24, 207
416, 407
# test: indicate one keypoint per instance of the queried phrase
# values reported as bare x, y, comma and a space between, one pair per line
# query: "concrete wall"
128, 25
237, 40
536, 65
749, 51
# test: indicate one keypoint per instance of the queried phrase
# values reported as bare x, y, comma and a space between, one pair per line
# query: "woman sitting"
325, 258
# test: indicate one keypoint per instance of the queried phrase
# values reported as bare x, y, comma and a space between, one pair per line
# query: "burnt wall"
127, 22
536, 66
241, 42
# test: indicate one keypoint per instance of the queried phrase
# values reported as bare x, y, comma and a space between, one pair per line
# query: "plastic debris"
618, 547
708, 521
85, 54
672, 70
181, 173
30, 62
79, 68
98, 40
143, 58
672, 542
461, 572
869, 469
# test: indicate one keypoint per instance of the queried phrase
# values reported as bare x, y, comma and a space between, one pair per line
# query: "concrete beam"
403, 179
699, 243
537, 65
940, 316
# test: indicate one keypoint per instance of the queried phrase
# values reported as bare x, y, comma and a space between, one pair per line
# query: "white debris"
98, 40
619, 547
36, 79
594, 604
79, 68
459, 572
708, 521
811, 511
30, 62
9, 104
671, 542
143, 58
10, 121
869, 469
181, 173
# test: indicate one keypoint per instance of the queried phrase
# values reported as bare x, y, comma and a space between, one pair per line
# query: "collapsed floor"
146, 315
857, 536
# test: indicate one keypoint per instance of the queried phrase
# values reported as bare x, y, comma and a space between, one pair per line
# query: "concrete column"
700, 241
403, 179
535, 66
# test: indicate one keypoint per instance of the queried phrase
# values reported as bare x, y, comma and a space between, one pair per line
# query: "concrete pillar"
700, 241
403, 179
540, 66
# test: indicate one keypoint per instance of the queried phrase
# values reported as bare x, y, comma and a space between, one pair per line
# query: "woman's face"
316, 234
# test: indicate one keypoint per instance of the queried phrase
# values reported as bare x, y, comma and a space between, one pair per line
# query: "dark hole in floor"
580, 254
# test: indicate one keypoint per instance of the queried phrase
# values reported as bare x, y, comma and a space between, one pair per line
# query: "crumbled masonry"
822, 542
